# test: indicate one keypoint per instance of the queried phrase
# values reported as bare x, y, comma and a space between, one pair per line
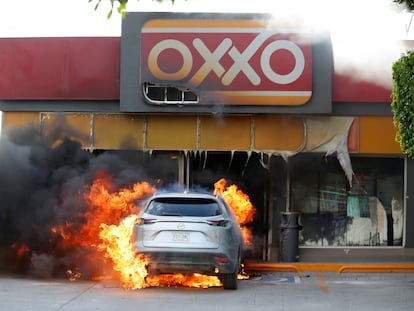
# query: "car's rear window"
184, 207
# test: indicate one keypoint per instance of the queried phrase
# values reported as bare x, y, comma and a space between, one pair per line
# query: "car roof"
185, 194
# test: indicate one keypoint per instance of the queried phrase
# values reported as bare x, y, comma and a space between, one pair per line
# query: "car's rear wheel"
229, 280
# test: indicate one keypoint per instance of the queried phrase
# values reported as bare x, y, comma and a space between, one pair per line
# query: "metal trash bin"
289, 236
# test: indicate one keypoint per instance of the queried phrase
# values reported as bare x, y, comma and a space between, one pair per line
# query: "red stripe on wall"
59, 68
89, 69
347, 88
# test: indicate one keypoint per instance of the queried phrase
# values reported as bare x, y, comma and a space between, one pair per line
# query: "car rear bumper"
188, 262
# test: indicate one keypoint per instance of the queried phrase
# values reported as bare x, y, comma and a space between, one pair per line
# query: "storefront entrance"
333, 213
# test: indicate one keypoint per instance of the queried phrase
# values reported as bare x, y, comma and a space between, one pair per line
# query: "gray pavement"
263, 291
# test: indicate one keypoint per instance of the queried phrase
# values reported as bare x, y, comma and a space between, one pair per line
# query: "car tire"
229, 280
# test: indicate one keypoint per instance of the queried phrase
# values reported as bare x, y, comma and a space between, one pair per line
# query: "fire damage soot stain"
66, 212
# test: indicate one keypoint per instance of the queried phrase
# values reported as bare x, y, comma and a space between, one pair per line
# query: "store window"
333, 212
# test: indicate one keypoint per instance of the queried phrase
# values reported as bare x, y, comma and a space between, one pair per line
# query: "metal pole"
187, 173
181, 168
287, 185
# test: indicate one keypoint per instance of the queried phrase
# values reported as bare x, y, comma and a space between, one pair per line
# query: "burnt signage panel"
230, 63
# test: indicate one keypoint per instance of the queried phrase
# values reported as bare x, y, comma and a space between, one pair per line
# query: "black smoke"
43, 176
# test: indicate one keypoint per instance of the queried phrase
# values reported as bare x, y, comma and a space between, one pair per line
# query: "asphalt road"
263, 291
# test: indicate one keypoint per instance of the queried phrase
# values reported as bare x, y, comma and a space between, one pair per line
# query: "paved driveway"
263, 291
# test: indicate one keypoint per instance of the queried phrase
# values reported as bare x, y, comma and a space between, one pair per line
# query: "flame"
81, 236
131, 267
195, 280
73, 275
107, 227
116, 244
20, 249
115, 238
239, 202
111, 207
103, 207
243, 275
63, 231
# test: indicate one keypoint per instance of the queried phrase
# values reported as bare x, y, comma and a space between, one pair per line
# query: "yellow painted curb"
329, 267
377, 268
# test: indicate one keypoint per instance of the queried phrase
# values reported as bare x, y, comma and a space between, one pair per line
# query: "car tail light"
146, 221
218, 222
222, 260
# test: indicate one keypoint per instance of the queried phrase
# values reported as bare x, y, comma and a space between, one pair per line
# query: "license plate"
181, 236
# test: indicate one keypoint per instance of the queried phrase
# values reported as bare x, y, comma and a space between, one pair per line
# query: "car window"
184, 207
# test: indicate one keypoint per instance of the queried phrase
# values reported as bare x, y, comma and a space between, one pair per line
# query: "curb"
328, 267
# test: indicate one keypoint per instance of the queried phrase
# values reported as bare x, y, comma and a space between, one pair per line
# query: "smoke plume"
367, 36
42, 183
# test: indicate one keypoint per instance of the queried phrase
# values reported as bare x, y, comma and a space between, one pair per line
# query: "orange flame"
115, 238
20, 248
239, 202
131, 267
108, 225
73, 275
103, 206
116, 244
195, 280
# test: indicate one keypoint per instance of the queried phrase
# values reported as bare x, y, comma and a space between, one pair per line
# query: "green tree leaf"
122, 5
402, 104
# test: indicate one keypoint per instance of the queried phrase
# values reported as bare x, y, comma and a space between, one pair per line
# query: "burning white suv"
190, 233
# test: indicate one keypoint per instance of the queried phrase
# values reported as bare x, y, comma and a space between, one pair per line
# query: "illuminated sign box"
230, 63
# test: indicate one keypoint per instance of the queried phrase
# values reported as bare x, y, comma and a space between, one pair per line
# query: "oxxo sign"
238, 60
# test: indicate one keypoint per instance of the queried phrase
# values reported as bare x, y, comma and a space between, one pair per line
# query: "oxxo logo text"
243, 61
